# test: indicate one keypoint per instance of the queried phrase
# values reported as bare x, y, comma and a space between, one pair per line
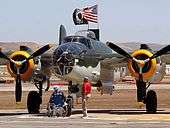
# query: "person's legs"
84, 108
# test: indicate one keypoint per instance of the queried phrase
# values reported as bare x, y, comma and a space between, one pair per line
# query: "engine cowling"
26, 70
149, 68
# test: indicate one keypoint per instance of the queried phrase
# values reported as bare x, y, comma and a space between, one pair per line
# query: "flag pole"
98, 20
88, 25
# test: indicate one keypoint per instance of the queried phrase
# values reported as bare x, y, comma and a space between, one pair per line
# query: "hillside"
16, 45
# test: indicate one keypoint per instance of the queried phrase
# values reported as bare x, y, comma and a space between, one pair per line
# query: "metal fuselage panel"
79, 72
87, 64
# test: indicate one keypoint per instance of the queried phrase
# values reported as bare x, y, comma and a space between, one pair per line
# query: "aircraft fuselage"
78, 57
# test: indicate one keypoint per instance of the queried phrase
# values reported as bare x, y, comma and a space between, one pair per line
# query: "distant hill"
7, 47
136, 45
129, 46
16, 45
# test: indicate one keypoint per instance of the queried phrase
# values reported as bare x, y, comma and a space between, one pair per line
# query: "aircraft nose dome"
64, 57
69, 48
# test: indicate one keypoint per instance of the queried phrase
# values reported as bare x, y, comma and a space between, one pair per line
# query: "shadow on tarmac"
12, 114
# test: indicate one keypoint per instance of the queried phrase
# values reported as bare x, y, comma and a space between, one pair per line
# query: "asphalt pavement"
112, 119
97, 118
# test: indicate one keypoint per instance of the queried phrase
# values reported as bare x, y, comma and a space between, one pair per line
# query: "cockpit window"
86, 42
82, 40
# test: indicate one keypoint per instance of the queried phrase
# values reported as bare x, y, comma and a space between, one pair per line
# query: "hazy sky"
119, 20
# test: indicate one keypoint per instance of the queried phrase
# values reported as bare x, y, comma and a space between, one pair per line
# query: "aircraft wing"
117, 61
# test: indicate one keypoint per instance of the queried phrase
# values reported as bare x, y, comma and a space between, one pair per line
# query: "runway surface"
112, 119
105, 111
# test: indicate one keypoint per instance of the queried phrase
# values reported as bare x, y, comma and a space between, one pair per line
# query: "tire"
69, 112
69, 108
70, 99
49, 111
33, 102
54, 113
74, 89
151, 102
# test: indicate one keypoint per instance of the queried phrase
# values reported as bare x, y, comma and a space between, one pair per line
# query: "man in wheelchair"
58, 105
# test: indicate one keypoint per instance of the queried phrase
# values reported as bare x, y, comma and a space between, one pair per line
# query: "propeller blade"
161, 52
119, 50
140, 77
40, 51
18, 89
2, 55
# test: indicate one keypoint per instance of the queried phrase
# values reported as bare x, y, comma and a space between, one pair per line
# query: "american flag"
90, 14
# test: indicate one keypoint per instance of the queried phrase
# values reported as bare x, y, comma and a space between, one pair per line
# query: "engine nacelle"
148, 70
26, 70
160, 73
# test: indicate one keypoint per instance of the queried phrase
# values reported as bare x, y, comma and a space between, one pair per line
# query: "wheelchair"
60, 110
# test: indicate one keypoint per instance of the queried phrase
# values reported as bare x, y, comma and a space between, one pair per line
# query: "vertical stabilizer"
62, 33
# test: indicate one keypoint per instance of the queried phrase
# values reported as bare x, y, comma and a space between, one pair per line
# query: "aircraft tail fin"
62, 33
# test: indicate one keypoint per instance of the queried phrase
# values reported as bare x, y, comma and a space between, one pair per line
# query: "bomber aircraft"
82, 55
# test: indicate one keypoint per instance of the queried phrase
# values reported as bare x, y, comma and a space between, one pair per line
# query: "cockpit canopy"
79, 39
87, 34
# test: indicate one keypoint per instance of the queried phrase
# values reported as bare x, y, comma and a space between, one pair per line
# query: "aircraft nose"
68, 51
64, 57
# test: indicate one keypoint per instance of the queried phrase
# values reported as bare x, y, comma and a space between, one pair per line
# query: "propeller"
119, 50
2, 55
18, 87
162, 51
18, 65
140, 63
40, 51
122, 52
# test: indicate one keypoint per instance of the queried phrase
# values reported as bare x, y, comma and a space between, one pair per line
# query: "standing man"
86, 93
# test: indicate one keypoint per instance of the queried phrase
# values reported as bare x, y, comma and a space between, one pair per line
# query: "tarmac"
111, 119
97, 118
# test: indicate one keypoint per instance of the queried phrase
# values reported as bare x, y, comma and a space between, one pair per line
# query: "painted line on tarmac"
140, 117
110, 117
77, 116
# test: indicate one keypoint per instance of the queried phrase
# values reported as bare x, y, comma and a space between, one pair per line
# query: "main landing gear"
34, 99
147, 97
